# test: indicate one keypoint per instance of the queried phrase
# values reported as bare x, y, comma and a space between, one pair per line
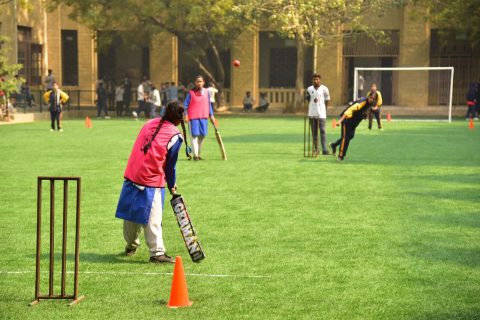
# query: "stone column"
164, 59
414, 52
246, 77
329, 65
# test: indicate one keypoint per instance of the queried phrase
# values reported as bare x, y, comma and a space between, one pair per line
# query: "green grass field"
391, 233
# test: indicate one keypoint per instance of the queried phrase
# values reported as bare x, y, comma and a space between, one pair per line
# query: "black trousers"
372, 113
55, 117
348, 132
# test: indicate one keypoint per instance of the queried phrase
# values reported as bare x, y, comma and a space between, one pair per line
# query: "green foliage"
205, 27
9, 84
392, 233
461, 16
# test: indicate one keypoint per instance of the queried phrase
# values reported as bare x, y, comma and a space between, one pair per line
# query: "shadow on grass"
462, 219
90, 257
472, 313
430, 251
267, 137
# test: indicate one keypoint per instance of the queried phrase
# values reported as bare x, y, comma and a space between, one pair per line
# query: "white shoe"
476, 118
134, 114
61, 130
51, 130
107, 117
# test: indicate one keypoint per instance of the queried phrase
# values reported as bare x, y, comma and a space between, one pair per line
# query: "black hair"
174, 114
316, 75
198, 77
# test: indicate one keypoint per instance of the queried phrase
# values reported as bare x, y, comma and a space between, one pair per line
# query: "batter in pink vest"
151, 165
198, 108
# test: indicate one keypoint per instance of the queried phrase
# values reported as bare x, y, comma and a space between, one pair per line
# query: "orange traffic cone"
88, 122
389, 116
471, 125
334, 123
179, 292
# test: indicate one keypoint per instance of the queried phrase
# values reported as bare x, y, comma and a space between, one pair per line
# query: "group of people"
318, 97
249, 101
152, 167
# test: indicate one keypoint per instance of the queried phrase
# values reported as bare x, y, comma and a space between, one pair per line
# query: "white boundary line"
128, 273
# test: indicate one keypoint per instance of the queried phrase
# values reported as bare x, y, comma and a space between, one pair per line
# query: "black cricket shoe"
162, 259
130, 251
334, 148
325, 153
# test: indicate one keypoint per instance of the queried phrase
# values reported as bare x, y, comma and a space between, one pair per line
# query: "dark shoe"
325, 153
340, 159
130, 252
334, 148
196, 158
200, 158
162, 259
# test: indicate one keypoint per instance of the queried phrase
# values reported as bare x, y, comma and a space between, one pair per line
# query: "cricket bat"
220, 143
186, 228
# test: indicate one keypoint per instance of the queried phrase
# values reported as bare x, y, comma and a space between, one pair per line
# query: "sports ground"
393, 232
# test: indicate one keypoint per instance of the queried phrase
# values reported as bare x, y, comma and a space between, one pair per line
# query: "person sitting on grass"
263, 103
151, 166
248, 102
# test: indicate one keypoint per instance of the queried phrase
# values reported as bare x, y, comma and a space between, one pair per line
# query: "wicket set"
307, 141
62, 295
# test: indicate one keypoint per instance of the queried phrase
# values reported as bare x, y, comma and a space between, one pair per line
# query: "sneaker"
340, 159
130, 252
107, 117
51, 130
476, 118
381, 129
325, 153
134, 114
196, 158
334, 148
162, 259
61, 130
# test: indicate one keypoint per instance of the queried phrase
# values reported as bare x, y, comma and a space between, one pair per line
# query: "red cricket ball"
236, 63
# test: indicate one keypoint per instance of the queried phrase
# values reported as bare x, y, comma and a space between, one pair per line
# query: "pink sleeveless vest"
149, 169
199, 106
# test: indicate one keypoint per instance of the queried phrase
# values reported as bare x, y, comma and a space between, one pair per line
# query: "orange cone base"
179, 292
174, 307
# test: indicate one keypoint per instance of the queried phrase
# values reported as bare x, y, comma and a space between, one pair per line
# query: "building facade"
50, 40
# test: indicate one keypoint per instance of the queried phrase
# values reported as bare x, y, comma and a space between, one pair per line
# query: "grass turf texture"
391, 233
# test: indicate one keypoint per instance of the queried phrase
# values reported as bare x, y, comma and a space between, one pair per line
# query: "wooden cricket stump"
307, 139
51, 294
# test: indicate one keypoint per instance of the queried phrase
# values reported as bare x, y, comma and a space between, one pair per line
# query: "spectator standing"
173, 91
119, 94
102, 97
127, 94
212, 91
141, 99
49, 80
55, 98
361, 86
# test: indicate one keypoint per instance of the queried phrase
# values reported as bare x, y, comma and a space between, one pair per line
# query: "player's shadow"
266, 137
120, 258
91, 257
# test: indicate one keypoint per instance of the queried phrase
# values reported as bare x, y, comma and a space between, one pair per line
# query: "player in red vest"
151, 165
198, 108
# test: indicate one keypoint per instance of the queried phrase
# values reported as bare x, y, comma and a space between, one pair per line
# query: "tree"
8, 82
311, 22
461, 16
206, 27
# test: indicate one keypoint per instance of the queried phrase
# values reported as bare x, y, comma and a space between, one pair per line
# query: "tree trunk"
298, 102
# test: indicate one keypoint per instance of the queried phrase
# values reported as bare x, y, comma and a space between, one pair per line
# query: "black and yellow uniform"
376, 103
352, 116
